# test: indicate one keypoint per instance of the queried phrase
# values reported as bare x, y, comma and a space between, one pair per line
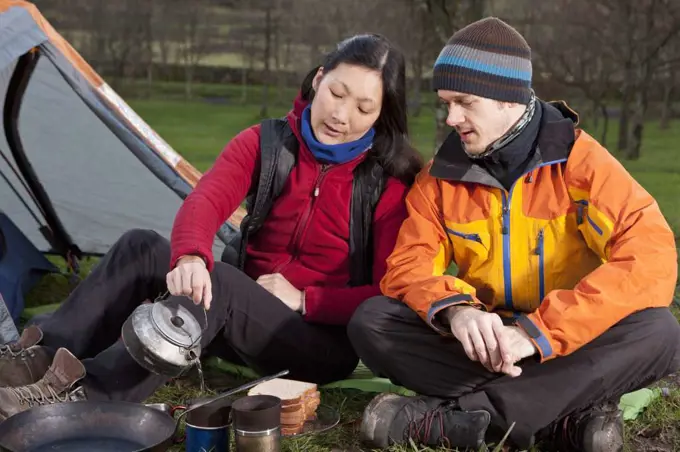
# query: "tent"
78, 167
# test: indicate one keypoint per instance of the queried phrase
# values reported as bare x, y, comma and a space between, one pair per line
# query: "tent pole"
57, 234
21, 199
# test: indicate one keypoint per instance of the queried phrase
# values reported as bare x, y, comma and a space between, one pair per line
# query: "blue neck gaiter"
333, 153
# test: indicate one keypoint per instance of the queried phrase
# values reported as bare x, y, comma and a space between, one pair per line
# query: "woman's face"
347, 103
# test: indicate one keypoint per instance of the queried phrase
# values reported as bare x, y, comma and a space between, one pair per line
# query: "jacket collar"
555, 140
294, 117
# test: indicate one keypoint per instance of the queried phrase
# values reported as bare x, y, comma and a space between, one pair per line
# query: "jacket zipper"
474, 237
540, 251
505, 223
302, 226
582, 215
579, 214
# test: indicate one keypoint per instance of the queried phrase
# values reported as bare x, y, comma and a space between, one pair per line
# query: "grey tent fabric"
102, 167
18, 34
98, 188
8, 330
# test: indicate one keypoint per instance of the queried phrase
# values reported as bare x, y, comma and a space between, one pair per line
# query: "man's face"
479, 121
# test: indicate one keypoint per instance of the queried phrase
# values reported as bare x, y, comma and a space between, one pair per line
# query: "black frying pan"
88, 426
98, 426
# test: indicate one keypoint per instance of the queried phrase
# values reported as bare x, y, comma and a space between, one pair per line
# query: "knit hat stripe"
479, 60
448, 73
496, 48
487, 58
464, 80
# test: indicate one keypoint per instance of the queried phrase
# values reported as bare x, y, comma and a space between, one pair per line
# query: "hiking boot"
24, 362
391, 419
57, 385
597, 430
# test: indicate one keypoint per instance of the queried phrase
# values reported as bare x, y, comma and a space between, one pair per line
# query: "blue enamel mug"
206, 439
207, 428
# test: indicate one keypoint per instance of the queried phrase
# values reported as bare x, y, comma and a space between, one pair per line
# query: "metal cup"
257, 423
206, 439
207, 428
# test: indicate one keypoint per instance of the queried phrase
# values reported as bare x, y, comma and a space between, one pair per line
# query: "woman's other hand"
279, 286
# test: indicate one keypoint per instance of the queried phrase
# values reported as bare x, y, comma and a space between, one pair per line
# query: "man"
566, 268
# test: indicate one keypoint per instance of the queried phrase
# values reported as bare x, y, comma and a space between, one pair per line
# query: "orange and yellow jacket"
572, 248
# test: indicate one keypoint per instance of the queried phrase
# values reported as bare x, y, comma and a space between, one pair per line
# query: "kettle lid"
176, 324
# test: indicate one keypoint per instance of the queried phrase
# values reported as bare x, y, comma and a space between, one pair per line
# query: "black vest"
279, 148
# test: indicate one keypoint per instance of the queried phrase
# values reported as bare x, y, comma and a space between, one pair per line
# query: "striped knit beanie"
487, 58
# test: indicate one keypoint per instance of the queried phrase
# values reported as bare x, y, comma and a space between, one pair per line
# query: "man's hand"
279, 286
485, 339
479, 333
191, 278
515, 345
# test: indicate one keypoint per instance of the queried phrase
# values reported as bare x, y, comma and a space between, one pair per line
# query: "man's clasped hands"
486, 339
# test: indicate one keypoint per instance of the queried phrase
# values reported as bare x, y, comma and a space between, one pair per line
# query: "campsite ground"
199, 130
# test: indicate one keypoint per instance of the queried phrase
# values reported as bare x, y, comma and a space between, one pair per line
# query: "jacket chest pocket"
470, 247
591, 231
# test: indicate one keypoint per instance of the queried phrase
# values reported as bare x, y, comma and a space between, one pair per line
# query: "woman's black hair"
391, 146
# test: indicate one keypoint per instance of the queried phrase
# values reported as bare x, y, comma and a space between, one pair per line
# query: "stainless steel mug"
256, 421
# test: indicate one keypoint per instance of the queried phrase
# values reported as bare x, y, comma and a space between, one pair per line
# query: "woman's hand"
279, 286
191, 278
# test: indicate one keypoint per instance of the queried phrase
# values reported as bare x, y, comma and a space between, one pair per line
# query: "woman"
290, 307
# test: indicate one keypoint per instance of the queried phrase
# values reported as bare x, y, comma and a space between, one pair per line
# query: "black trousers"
245, 321
394, 342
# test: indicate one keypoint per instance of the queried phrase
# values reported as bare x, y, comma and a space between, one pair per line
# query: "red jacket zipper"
302, 228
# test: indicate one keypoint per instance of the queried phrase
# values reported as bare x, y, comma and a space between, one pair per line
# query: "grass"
200, 129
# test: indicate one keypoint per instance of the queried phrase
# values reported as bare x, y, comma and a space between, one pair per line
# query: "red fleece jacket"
305, 237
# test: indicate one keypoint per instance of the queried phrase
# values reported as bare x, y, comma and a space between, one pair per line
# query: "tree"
657, 24
195, 25
564, 52
610, 42
445, 17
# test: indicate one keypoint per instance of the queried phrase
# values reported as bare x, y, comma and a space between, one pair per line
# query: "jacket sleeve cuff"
310, 308
434, 318
537, 336
193, 251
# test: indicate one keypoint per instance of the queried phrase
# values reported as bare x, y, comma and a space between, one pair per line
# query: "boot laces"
12, 350
34, 394
15, 350
567, 433
421, 429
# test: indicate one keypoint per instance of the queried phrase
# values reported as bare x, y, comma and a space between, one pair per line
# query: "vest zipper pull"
324, 168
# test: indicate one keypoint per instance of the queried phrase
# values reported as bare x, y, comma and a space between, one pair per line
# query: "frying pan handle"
178, 439
177, 408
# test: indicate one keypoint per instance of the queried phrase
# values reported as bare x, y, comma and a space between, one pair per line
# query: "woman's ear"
317, 79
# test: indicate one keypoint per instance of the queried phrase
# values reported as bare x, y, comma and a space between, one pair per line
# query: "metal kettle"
163, 337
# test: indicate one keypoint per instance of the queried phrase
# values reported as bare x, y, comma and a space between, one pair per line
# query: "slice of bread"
299, 401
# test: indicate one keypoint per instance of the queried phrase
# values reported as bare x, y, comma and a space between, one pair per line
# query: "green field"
199, 130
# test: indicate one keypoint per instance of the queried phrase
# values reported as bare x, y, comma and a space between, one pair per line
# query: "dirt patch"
658, 430
673, 380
